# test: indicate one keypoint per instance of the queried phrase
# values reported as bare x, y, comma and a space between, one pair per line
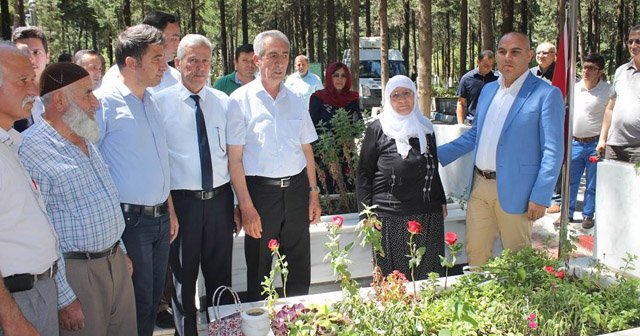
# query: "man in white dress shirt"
195, 120
269, 135
28, 245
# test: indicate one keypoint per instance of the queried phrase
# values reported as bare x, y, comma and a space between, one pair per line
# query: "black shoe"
587, 223
164, 320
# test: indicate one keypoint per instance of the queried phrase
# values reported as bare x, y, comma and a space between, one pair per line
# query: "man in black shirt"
471, 84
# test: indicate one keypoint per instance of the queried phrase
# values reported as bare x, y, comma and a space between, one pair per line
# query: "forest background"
436, 37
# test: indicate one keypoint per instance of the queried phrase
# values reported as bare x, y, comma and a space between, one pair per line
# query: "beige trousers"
105, 291
486, 220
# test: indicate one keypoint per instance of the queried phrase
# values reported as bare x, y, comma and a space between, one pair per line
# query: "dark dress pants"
205, 240
147, 242
284, 213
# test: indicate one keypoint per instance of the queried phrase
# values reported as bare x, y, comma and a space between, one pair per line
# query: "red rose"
560, 275
337, 220
549, 269
450, 238
593, 159
414, 227
273, 245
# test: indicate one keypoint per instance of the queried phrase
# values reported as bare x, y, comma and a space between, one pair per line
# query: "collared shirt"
134, 145
494, 121
80, 196
170, 77
625, 121
228, 83
272, 131
470, 86
304, 86
28, 242
589, 106
178, 112
546, 75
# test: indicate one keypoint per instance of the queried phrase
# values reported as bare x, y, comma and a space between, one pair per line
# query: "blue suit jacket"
530, 148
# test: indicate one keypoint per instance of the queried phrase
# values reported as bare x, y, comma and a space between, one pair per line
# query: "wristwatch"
314, 189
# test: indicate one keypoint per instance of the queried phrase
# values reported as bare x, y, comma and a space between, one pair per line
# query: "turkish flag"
559, 78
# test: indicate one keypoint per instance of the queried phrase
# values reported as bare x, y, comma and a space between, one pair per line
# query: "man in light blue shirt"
134, 145
302, 81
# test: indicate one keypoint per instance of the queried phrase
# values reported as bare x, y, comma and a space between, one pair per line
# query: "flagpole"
570, 25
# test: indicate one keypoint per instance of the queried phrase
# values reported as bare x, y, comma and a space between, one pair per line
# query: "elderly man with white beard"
95, 292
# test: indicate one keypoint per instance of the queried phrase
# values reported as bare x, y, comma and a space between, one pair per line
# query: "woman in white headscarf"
398, 172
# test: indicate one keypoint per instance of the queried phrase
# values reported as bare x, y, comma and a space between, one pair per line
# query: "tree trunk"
446, 52
19, 19
486, 24
245, 23
355, 45
320, 49
581, 41
406, 27
507, 16
193, 15
223, 37
310, 34
5, 20
367, 16
464, 30
303, 30
415, 46
332, 54
384, 44
524, 17
126, 13
424, 64
620, 51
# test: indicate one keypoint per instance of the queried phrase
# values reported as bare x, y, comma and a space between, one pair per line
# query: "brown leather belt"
24, 282
488, 174
149, 211
92, 255
587, 139
283, 182
201, 194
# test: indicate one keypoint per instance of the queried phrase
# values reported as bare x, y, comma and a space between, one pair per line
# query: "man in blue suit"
517, 148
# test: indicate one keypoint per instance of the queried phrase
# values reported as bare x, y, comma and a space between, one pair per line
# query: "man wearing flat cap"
95, 292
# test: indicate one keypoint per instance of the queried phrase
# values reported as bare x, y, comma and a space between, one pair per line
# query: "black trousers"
205, 239
284, 213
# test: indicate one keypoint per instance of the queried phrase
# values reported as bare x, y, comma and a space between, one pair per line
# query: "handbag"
230, 325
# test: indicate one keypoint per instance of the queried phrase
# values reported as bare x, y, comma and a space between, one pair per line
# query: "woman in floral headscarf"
398, 172
324, 104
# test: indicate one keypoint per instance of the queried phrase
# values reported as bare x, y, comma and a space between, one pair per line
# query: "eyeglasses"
545, 53
402, 95
339, 75
631, 42
591, 68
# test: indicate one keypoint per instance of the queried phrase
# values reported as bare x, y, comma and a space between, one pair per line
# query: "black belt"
201, 194
587, 139
488, 174
150, 211
282, 182
24, 282
92, 255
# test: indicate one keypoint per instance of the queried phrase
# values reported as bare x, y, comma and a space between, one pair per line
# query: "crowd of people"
117, 181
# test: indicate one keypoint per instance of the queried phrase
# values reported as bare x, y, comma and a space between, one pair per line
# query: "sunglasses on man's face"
632, 41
